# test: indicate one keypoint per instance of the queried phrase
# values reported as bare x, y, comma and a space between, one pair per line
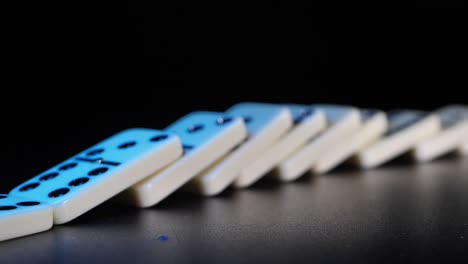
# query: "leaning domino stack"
207, 152
342, 121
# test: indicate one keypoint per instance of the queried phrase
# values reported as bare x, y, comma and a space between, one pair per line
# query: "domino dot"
187, 148
127, 145
194, 128
29, 187
98, 171
28, 203
247, 119
68, 166
7, 207
223, 120
48, 176
95, 152
78, 182
58, 192
163, 238
2, 196
158, 138
302, 115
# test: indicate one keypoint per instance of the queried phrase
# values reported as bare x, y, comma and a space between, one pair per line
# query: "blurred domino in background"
342, 121
21, 216
374, 124
307, 124
454, 125
406, 129
205, 136
265, 123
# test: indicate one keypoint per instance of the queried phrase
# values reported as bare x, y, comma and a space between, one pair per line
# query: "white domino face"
265, 124
374, 125
101, 172
454, 130
206, 137
342, 121
23, 216
406, 129
307, 124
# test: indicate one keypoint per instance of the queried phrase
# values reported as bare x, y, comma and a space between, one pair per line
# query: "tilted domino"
342, 122
206, 136
454, 130
307, 124
21, 216
265, 124
93, 176
374, 125
406, 129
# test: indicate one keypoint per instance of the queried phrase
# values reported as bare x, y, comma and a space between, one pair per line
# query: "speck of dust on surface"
163, 238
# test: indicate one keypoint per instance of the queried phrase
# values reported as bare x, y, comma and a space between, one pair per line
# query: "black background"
82, 73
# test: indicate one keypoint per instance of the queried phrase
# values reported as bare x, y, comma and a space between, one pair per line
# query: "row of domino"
205, 152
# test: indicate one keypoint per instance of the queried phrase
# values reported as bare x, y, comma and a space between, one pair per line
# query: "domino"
206, 136
342, 121
265, 124
98, 173
22, 216
463, 149
454, 129
406, 129
374, 125
307, 124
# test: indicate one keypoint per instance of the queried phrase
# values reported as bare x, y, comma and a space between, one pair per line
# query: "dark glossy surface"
396, 214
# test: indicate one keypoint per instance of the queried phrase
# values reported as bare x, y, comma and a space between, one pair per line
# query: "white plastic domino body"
407, 128
206, 136
22, 216
265, 123
374, 125
342, 122
454, 122
307, 124
101, 172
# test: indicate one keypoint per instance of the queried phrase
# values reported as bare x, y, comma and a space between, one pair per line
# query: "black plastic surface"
399, 213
